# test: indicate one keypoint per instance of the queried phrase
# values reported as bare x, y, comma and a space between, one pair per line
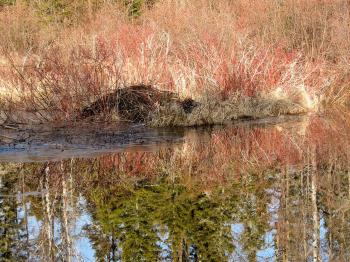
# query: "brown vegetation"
222, 52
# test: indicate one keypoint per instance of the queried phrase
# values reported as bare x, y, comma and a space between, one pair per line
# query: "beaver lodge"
146, 104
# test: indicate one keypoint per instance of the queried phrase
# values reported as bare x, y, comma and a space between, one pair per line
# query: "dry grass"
225, 53
215, 111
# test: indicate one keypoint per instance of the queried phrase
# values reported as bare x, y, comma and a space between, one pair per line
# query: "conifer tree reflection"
239, 194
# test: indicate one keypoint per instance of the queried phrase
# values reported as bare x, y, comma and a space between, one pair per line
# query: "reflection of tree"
198, 224
67, 217
8, 219
181, 203
13, 228
314, 211
51, 204
125, 222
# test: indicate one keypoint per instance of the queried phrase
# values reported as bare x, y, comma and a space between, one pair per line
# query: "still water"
248, 192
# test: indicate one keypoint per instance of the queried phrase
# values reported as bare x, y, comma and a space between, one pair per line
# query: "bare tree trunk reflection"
67, 242
48, 242
304, 213
315, 217
286, 175
25, 210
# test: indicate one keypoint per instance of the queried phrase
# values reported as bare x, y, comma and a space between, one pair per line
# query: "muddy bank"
163, 108
36, 143
82, 139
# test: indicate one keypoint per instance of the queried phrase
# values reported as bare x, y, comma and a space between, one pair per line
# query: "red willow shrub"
195, 48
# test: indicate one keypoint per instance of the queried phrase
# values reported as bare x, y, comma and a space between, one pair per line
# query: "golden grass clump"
211, 111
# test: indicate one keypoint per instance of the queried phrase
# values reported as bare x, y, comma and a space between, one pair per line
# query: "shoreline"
158, 108
85, 139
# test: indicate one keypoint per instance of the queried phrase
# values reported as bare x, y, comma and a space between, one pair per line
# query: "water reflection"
242, 193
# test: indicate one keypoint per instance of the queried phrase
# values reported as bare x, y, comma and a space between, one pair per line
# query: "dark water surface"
247, 192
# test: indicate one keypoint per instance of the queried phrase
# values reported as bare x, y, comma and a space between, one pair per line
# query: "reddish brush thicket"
194, 48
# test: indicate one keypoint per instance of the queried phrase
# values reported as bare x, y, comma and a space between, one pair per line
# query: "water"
247, 192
